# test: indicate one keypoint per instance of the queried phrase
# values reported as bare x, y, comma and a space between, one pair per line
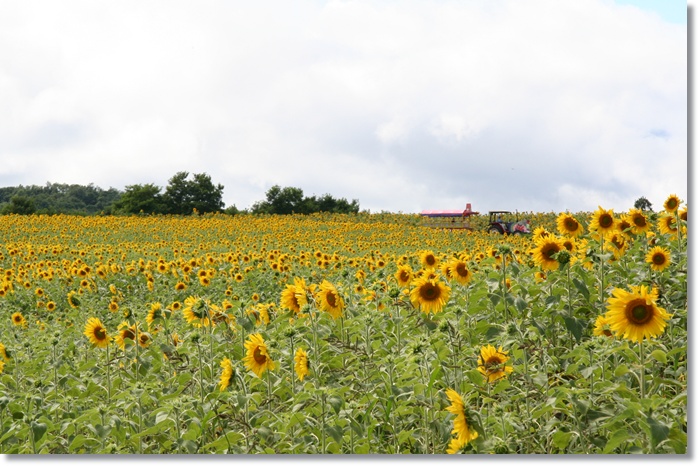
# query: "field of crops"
343, 334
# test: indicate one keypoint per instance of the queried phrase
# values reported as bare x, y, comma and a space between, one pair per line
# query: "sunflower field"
329, 333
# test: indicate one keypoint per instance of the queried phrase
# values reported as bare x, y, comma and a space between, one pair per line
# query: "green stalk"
643, 369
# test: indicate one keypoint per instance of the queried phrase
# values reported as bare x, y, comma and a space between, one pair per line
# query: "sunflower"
73, 300
459, 271
96, 333
257, 358
671, 203
144, 339
617, 244
491, 363
429, 294
667, 224
2, 365
301, 363
683, 213
568, 225
639, 222
3, 353
428, 260
329, 299
545, 251
195, 311
155, 313
227, 373
462, 429
602, 327
260, 312
658, 258
18, 319
603, 221
126, 332
540, 233
294, 296
634, 315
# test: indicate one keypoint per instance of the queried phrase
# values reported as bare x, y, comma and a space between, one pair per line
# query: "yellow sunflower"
635, 315
602, 327
294, 296
603, 221
462, 429
18, 319
545, 251
460, 272
639, 222
96, 333
672, 203
659, 258
569, 225
301, 363
428, 260
257, 357
126, 332
226, 375
429, 294
667, 224
491, 363
329, 300
3, 353
2, 365
195, 312
404, 275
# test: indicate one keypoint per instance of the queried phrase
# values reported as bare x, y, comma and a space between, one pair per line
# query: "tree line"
182, 196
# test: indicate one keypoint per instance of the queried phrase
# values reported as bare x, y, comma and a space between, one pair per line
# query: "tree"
19, 205
183, 195
289, 200
643, 204
137, 198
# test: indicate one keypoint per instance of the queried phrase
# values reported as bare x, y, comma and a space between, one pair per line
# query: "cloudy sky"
530, 105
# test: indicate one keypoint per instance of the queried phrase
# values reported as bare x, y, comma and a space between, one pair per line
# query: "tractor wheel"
494, 230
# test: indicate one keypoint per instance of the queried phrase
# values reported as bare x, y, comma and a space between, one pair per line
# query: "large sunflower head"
301, 363
429, 294
329, 300
428, 260
603, 221
635, 315
667, 224
658, 258
18, 319
568, 225
257, 357
672, 203
462, 428
459, 271
545, 252
294, 297
491, 363
96, 333
639, 222
226, 374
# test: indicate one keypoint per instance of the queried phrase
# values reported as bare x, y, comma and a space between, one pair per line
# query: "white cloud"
537, 105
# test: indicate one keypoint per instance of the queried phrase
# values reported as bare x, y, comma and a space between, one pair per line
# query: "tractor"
504, 222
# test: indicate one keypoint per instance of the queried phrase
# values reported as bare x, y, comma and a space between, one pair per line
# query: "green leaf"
520, 304
38, 430
335, 432
561, 439
621, 370
582, 288
658, 430
660, 356
336, 402
617, 438
575, 326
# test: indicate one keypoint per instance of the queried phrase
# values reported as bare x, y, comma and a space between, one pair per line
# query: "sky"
404, 105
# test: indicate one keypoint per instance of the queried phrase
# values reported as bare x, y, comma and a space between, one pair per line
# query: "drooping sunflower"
602, 327
617, 244
635, 315
639, 222
96, 332
195, 312
568, 225
460, 272
545, 251
301, 363
667, 224
659, 258
404, 275
329, 300
226, 375
603, 222
294, 296
18, 319
491, 363
257, 357
672, 203
428, 260
429, 294
462, 429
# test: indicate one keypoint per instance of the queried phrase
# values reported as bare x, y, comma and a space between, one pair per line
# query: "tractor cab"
505, 222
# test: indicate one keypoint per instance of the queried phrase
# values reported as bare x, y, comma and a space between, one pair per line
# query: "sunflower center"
672, 203
404, 276
430, 260
639, 312
461, 270
639, 221
100, 333
549, 251
429, 292
332, 300
258, 356
659, 259
571, 224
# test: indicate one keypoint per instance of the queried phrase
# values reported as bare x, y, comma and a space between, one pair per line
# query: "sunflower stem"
293, 382
201, 373
109, 380
643, 369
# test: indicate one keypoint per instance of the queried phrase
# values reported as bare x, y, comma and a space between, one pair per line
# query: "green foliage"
139, 198
289, 200
183, 195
